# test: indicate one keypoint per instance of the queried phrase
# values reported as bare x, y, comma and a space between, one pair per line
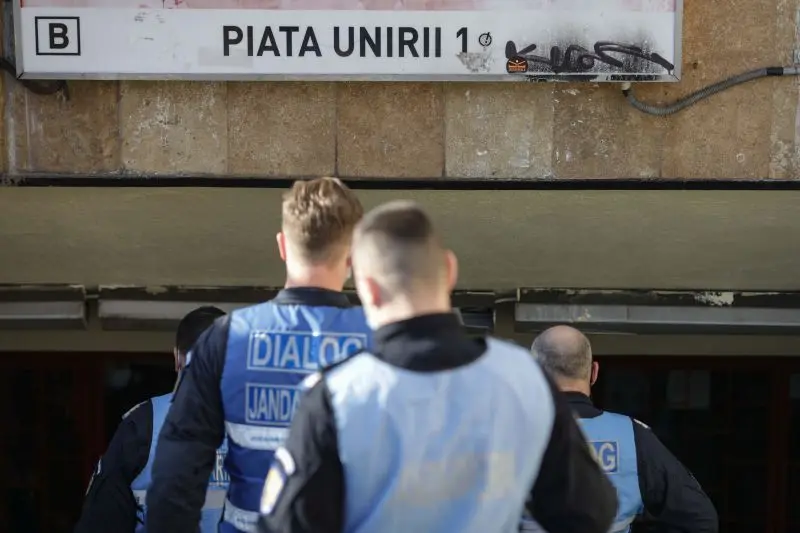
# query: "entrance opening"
59, 411
731, 421
734, 422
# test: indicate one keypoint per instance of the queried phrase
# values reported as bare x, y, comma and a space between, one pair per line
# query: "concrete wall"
432, 130
656, 239
716, 240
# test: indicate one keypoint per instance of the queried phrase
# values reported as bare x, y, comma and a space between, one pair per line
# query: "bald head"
565, 352
396, 245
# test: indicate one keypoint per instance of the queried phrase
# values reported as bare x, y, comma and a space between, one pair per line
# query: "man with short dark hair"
429, 431
115, 499
245, 372
648, 478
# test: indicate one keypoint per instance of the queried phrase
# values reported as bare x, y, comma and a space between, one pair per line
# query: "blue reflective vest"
271, 349
218, 483
611, 439
450, 451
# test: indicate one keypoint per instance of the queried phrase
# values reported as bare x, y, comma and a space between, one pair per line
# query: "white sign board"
598, 40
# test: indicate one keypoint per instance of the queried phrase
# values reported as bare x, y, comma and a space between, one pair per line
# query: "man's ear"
452, 269
595, 372
281, 239
372, 292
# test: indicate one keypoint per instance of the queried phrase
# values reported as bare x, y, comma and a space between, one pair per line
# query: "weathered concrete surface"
174, 127
269, 135
713, 240
391, 130
498, 131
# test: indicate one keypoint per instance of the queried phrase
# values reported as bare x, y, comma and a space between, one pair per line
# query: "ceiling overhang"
616, 239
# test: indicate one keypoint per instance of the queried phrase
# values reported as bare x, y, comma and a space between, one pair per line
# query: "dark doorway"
731, 421
58, 411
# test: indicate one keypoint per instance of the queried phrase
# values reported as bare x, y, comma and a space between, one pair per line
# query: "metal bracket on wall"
161, 308
42, 307
659, 312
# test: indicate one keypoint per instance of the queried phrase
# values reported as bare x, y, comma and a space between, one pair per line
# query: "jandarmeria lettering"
271, 405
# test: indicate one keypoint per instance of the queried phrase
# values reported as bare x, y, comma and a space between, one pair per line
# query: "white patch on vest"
281, 351
310, 381
645, 426
286, 460
188, 359
273, 486
606, 453
270, 404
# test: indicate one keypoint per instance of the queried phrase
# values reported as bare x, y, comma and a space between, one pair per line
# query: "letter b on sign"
58, 36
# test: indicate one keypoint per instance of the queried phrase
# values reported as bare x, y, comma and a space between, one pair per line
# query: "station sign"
436, 40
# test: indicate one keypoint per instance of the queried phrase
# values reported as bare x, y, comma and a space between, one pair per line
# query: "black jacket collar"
312, 296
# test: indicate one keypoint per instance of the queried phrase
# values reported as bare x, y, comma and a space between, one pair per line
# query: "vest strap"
257, 437
239, 518
215, 499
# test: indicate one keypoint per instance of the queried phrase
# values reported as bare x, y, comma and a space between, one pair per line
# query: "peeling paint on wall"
721, 299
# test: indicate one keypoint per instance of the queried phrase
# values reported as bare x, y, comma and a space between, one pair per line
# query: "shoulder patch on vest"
273, 486
310, 381
132, 409
286, 460
282, 467
645, 426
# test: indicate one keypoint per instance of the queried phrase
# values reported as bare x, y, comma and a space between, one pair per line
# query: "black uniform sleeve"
672, 496
307, 495
109, 503
192, 432
571, 493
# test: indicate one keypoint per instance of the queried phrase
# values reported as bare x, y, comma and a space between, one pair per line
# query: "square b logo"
58, 36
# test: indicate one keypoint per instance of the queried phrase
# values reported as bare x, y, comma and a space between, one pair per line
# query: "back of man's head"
565, 352
398, 256
193, 325
318, 217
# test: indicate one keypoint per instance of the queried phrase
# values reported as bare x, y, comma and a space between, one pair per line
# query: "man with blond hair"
429, 431
245, 371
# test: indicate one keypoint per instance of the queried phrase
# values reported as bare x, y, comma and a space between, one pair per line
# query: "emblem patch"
310, 381
282, 467
273, 487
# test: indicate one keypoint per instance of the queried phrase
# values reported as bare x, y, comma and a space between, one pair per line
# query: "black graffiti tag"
578, 59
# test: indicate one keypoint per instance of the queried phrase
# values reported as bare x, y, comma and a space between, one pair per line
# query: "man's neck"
317, 278
408, 310
573, 386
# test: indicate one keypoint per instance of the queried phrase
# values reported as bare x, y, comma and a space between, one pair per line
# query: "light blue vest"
611, 439
218, 483
271, 349
440, 452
